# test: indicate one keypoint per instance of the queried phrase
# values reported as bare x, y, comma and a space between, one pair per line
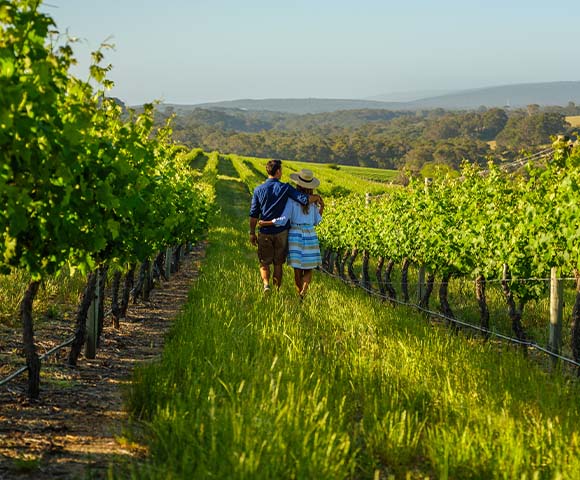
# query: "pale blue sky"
193, 51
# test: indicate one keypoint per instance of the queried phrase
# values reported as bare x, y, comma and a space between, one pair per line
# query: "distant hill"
299, 106
260, 120
519, 95
408, 96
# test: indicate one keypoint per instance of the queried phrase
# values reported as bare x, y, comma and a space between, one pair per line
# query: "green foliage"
526, 129
473, 225
81, 183
246, 173
437, 170
369, 138
197, 158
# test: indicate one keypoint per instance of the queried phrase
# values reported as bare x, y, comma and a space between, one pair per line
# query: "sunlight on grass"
56, 294
339, 386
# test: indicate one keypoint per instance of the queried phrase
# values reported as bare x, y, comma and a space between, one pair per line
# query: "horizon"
217, 51
370, 99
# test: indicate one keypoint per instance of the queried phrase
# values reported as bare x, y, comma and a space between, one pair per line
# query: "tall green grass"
463, 301
338, 386
56, 295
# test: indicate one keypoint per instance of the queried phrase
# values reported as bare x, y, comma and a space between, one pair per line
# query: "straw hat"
305, 178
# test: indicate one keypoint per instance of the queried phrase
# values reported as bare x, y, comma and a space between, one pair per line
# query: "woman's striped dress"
303, 247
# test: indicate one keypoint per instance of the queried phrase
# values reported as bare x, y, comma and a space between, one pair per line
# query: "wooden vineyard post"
556, 307
148, 280
420, 284
32, 359
421, 274
366, 257
168, 257
93, 321
405, 279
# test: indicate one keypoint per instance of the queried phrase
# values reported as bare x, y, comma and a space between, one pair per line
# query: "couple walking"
286, 217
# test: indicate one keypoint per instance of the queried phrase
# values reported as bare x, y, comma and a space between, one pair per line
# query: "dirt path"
75, 429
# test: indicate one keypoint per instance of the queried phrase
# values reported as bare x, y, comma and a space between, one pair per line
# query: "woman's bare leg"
306, 279
298, 279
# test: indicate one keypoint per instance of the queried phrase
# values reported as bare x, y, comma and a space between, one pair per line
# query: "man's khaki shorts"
273, 248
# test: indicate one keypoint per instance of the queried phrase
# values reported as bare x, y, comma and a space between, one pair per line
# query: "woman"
303, 247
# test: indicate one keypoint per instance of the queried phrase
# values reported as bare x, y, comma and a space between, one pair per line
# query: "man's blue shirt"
269, 200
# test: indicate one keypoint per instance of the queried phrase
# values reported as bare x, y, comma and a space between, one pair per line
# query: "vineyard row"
84, 184
513, 226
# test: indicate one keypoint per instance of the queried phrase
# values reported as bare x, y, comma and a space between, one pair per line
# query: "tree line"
374, 138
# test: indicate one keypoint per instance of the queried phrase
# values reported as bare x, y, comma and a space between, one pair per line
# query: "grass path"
341, 386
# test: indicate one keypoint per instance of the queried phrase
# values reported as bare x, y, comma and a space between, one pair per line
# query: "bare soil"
75, 429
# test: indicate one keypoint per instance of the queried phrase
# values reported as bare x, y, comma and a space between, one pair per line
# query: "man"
268, 202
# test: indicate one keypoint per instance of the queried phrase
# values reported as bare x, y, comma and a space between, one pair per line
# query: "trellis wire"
21, 370
459, 322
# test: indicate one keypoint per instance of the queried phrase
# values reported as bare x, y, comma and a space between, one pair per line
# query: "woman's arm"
317, 216
280, 221
277, 222
266, 223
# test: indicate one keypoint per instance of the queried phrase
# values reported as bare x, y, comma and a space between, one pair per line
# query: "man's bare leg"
278, 270
265, 274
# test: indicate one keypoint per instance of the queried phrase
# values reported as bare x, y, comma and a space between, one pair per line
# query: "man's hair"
273, 166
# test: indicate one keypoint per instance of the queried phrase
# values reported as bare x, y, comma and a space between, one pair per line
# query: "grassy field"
463, 302
574, 120
339, 386
335, 182
370, 174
